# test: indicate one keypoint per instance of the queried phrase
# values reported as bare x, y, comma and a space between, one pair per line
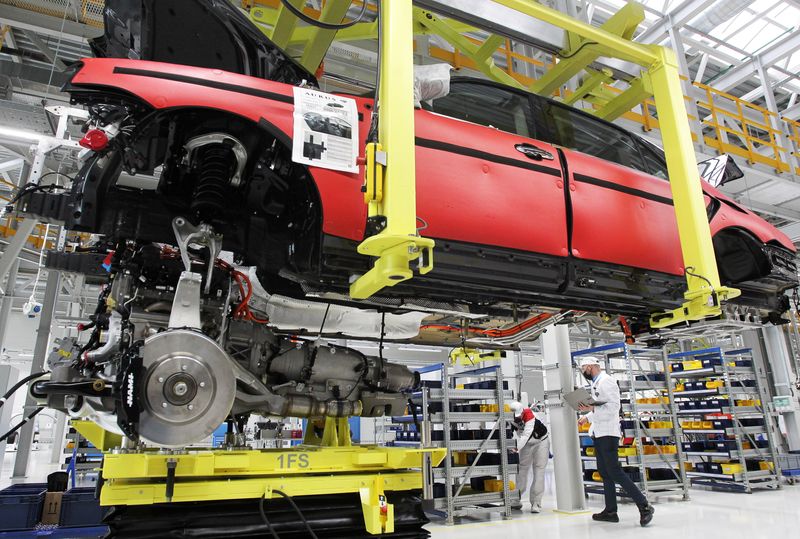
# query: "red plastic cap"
94, 139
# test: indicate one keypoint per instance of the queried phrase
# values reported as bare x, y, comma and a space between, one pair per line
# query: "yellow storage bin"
590, 451
692, 365
597, 477
731, 467
627, 452
496, 485
764, 465
706, 424
584, 427
460, 458
680, 386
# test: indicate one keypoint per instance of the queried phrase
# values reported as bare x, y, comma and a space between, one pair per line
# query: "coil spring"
216, 163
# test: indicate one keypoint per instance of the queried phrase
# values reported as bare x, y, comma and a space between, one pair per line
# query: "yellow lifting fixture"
390, 186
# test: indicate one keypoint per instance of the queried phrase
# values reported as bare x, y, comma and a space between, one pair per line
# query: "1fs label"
292, 460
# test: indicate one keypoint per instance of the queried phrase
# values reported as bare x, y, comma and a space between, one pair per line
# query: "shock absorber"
216, 164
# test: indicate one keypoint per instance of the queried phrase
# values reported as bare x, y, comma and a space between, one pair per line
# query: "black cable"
383, 334
21, 423
30, 188
324, 318
690, 271
46, 174
19, 384
298, 511
326, 25
264, 517
579, 49
372, 134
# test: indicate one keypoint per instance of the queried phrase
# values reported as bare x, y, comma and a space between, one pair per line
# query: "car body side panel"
474, 186
728, 216
637, 225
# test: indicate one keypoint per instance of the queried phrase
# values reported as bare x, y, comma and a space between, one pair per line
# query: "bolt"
180, 388
163, 404
202, 384
184, 367
160, 379
191, 407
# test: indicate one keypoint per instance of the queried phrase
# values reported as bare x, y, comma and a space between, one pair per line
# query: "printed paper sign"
325, 130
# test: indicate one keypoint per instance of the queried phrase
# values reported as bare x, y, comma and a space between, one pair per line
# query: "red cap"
94, 139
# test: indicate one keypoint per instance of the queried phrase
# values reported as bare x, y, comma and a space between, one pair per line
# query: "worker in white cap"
533, 446
606, 432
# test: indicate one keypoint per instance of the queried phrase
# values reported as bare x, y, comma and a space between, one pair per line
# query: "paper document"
325, 130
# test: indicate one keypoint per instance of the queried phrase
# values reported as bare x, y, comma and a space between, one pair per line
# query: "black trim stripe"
204, 82
622, 189
470, 152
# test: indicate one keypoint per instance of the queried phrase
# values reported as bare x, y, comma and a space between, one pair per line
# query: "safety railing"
90, 11
732, 125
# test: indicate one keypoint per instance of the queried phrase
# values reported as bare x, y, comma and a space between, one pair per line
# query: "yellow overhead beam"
622, 24
320, 39
285, 22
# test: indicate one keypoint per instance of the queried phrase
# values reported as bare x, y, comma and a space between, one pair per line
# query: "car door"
483, 178
621, 214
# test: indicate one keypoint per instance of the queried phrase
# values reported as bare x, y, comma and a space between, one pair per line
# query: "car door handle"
533, 152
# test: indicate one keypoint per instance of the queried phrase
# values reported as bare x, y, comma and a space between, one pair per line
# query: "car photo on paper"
331, 126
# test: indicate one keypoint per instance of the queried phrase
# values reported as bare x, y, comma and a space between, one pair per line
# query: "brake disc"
188, 388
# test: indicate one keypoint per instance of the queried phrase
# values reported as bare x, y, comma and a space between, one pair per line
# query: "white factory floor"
707, 514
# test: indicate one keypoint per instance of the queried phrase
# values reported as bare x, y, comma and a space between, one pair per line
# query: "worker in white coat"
605, 430
533, 446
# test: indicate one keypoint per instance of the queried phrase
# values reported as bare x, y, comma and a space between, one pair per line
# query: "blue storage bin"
21, 506
79, 507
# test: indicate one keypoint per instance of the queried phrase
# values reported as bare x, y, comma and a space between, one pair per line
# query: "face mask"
587, 375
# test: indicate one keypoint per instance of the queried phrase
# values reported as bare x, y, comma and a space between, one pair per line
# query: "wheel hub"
188, 388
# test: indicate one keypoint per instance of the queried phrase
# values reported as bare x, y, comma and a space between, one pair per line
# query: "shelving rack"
437, 423
643, 374
87, 459
751, 428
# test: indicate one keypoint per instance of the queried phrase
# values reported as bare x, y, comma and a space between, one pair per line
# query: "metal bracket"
185, 311
189, 235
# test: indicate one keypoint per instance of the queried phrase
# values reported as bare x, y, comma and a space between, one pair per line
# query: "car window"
654, 160
578, 131
487, 105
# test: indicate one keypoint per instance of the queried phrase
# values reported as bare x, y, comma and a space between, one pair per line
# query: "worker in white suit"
533, 446
603, 414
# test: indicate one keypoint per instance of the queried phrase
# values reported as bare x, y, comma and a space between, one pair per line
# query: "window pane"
654, 159
486, 105
583, 133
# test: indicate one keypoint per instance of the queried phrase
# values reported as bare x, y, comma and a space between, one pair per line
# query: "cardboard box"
52, 507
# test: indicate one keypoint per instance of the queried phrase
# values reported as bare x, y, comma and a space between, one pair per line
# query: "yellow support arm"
704, 292
391, 193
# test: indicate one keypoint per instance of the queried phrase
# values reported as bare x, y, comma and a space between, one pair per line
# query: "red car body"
516, 227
